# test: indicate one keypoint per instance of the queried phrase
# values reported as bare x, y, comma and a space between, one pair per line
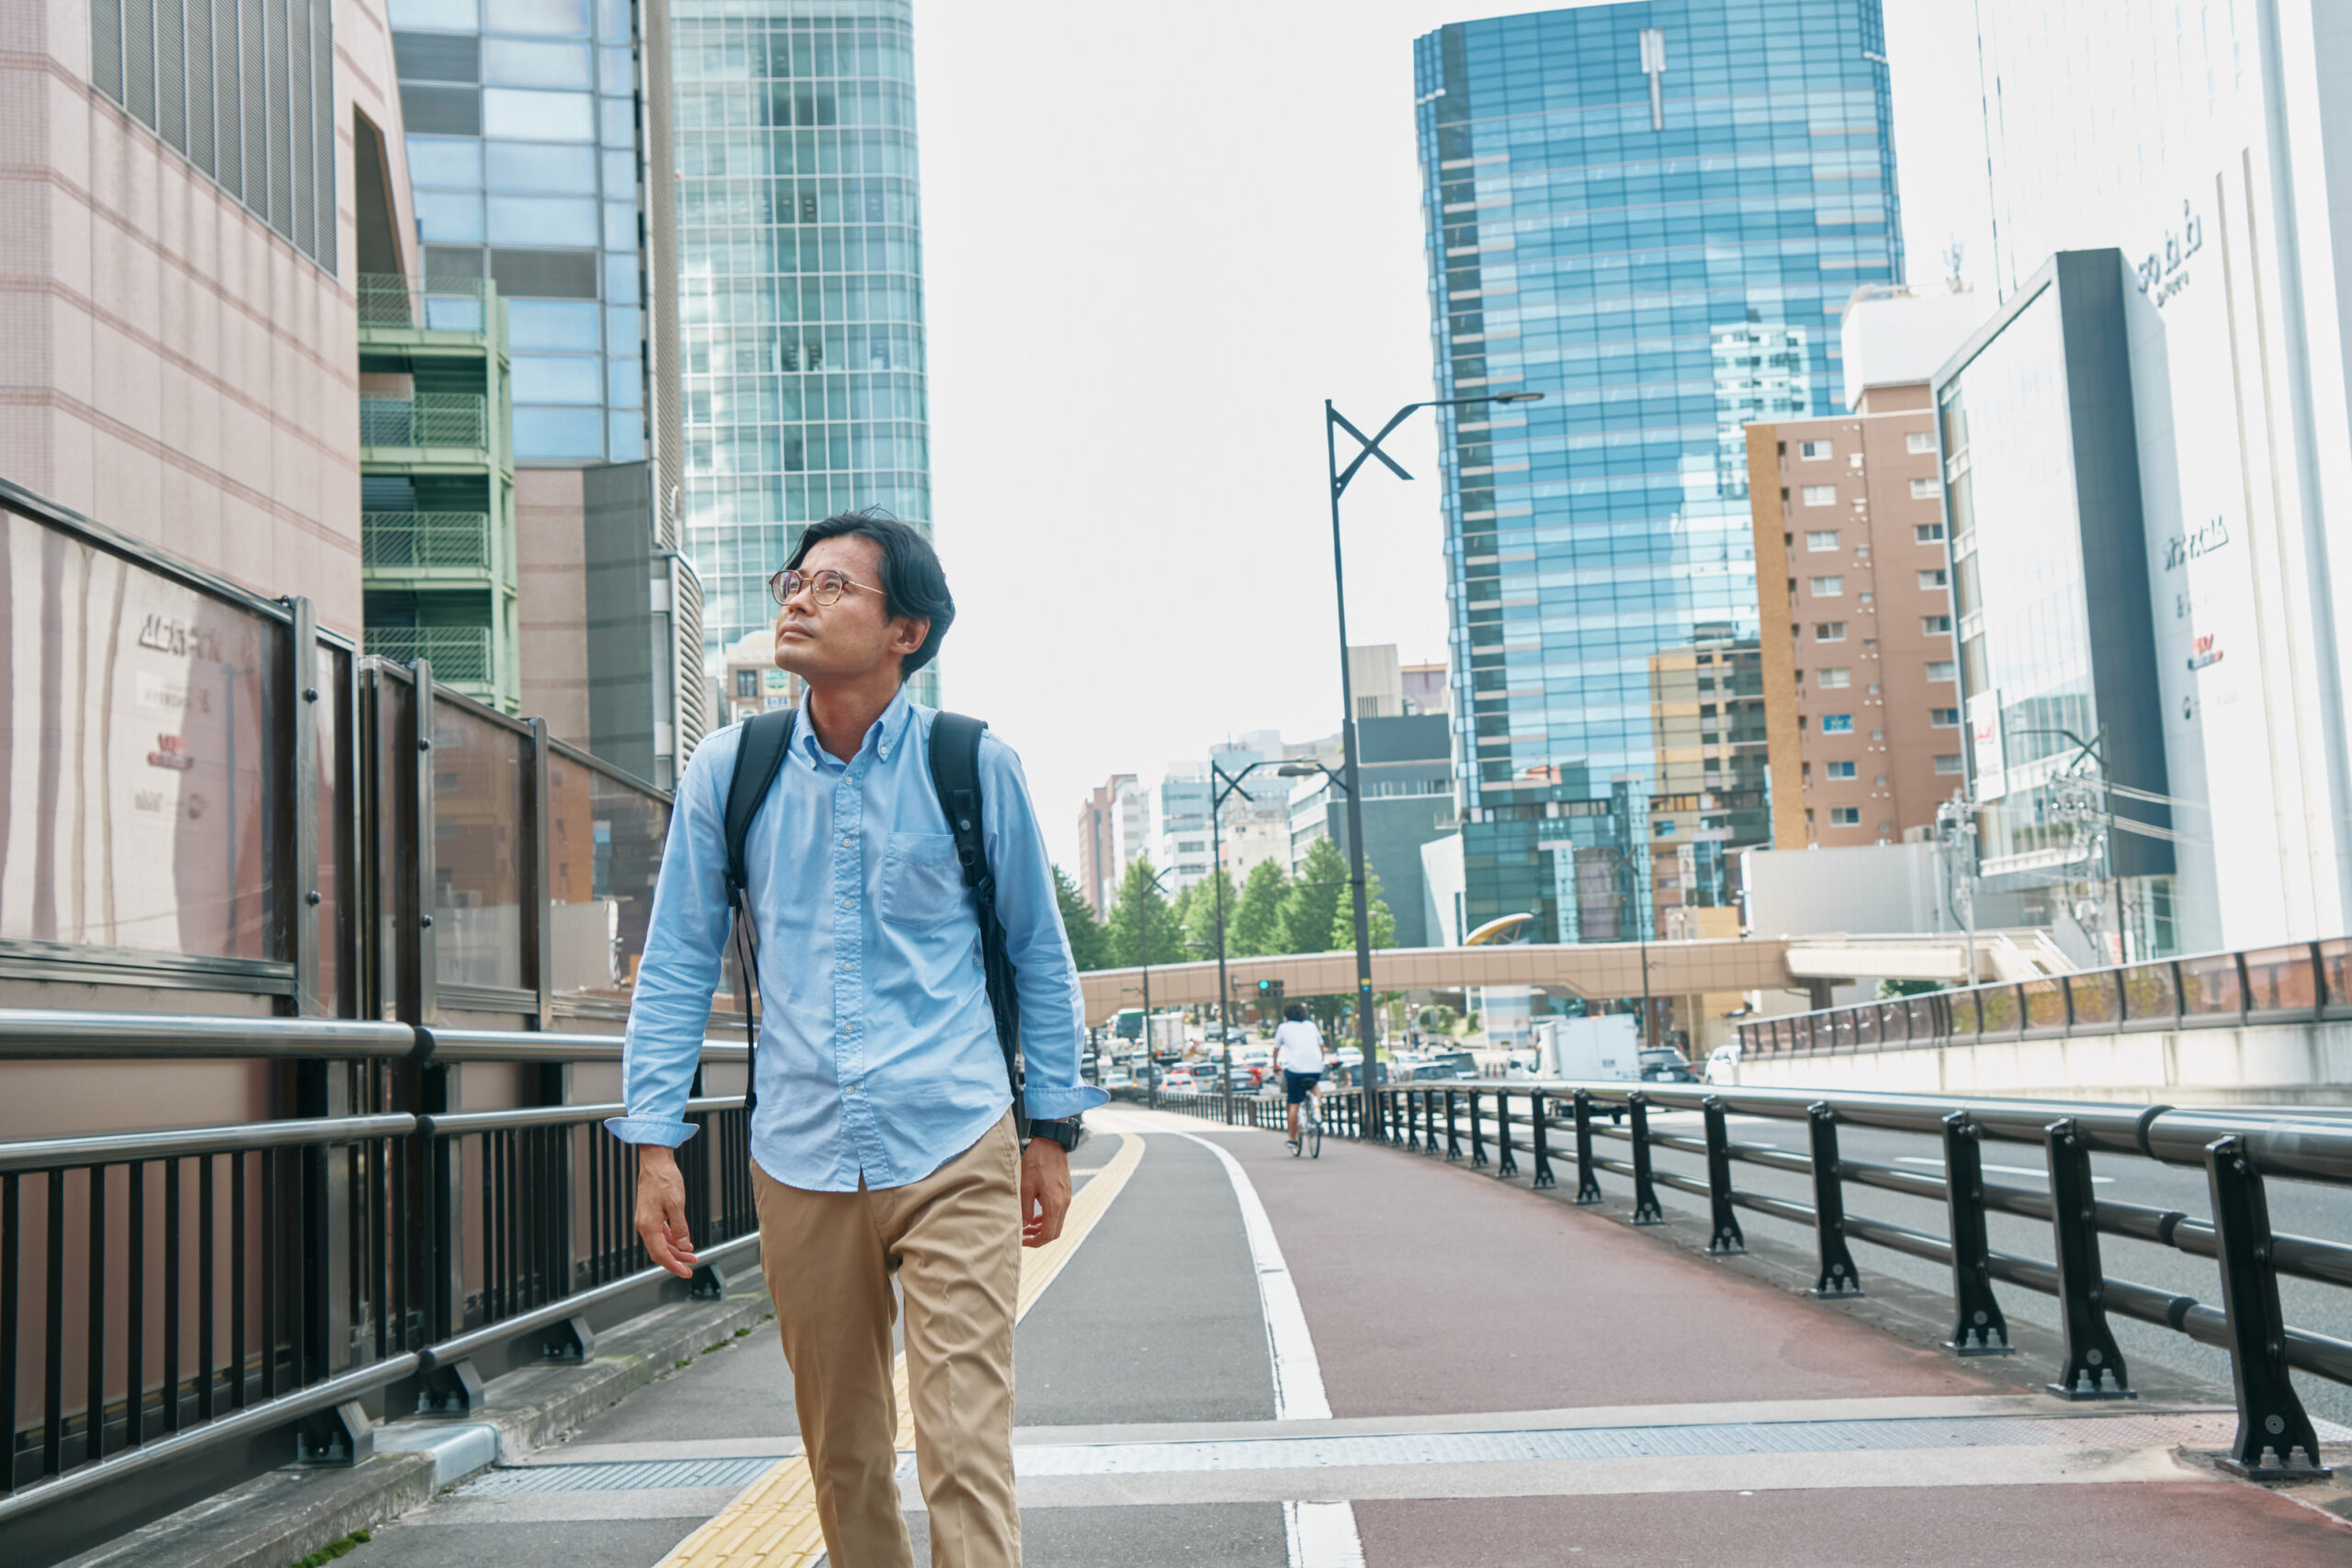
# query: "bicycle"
1309, 1141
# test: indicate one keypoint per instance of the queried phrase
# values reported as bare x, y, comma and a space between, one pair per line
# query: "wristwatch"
1064, 1132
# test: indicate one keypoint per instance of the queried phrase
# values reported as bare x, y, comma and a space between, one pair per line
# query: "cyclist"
1298, 1048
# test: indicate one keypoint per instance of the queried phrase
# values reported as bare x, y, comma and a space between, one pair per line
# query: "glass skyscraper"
1653, 213
801, 284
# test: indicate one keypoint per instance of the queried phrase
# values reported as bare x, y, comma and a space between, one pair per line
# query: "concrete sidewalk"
1508, 1381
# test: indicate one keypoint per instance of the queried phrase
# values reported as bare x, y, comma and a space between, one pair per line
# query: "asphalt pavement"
2296, 1208
1374, 1358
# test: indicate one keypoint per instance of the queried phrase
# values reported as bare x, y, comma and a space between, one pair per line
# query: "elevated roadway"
1595, 971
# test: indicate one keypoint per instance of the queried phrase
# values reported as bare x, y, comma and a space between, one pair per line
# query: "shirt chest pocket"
923, 885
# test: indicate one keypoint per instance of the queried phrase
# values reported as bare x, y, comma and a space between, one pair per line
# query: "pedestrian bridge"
1497, 1324
1597, 971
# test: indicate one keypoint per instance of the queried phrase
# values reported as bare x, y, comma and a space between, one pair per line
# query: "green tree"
1087, 941
1254, 924
1311, 902
1889, 989
1140, 903
1200, 915
1376, 915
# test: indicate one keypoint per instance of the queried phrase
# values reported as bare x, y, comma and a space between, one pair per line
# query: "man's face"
852, 636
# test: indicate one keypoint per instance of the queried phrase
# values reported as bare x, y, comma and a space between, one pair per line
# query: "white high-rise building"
2205, 142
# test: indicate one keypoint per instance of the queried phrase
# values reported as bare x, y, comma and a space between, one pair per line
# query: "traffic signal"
1269, 990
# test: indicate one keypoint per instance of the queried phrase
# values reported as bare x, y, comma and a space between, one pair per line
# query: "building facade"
1861, 696
188, 226
1651, 212
539, 144
2210, 148
1110, 831
1406, 766
2067, 762
801, 248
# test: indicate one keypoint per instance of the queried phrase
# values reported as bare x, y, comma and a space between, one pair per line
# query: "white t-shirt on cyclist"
1298, 1047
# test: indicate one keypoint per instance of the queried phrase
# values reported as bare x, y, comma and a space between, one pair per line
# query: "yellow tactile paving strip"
774, 1523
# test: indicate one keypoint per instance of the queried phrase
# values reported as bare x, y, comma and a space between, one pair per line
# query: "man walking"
882, 1145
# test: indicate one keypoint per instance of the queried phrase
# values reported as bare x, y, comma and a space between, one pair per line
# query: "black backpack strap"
956, 776
758, 756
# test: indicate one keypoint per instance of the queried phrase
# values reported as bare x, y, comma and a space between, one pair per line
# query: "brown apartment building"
1861, 696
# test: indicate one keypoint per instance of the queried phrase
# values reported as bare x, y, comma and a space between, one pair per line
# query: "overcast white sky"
1156, 239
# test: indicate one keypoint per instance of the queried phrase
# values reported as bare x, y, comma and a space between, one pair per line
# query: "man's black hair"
913, 582
1296, 1012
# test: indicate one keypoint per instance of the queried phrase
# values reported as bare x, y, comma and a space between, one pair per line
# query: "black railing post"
1452, 1132
1537, 1130
1725, 1237
1646, 1210
1506, 1163
1478, 1131
1838, 1276
2091, 1353
2270, 1415
1978, 1327
1588, 1182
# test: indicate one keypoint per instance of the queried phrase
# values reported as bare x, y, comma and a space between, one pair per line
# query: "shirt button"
844, 903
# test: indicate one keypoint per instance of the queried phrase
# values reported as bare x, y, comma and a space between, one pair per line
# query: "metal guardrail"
2302, 983
2238, 1152
456, 653
166, 1292
424, 539
429, 419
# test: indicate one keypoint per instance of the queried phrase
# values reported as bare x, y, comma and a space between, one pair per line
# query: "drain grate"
2137, 1431
1626, 1442
627, 1476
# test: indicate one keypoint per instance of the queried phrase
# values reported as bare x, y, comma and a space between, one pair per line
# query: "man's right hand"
662, 1209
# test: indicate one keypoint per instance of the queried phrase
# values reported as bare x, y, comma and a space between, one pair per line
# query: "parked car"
1664, 1066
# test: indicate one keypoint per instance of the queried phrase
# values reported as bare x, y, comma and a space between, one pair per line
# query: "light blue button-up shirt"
878, 1057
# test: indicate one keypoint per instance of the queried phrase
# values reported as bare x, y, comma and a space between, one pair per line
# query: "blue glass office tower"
801, 294
1653, 213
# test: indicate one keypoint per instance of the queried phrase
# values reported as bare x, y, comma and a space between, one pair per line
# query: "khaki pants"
952, 1241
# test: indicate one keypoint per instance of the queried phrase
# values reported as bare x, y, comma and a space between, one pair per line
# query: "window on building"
1944, 718
1919, 441
1838, 770
1929, 533
1845, 817
1821, 495
1948, 761
1840, 676
1843, 723
1821, 539
1942, 670
1813, 450
747, 682
1927, 490
1828, 587
1936, 626
1934, 579
1829, 631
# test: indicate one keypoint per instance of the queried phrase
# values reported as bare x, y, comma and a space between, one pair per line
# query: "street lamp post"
1232, 786
1143, 932
1333, 422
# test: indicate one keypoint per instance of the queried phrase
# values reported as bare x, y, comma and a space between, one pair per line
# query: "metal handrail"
2238, 1150
413, 1187
424, 539
2300, 982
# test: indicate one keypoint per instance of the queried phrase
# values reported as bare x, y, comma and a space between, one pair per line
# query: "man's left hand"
1045, 1191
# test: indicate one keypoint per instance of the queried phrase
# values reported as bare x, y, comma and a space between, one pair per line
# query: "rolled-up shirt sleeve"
1052, 1011
684, 942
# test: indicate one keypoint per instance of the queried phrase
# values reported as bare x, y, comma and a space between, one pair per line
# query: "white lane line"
1320, 1535
1298, 1377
